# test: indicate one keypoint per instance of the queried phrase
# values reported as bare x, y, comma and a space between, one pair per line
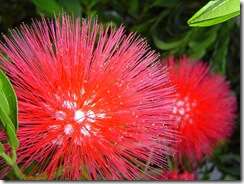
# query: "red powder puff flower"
204, 107
90, 101
175, 175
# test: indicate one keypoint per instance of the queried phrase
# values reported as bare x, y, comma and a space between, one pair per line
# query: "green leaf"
133, 8
7, 93
166, 45
9, 129
205, 42
227, 158
164, 3
170, 44
71, 7
214, 12
4, 103
219, 59
229, 177
89, 3
47, 7
202, 40
1, 148
142, 28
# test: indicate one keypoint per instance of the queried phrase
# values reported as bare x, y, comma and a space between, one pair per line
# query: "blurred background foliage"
164, 25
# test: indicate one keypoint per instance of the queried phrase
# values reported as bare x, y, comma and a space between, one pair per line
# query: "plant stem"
18, 172
12, 162
7, 159
14, 155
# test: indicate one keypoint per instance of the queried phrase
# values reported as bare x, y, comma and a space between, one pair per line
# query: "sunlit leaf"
9, 129
4, 103
7, 93
1, 148
214, 12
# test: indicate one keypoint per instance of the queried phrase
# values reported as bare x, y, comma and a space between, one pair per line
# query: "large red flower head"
204, 107
90, 101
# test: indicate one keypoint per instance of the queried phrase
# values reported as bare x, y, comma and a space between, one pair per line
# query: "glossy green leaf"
9, 129
47, 7
7, 93
4, 103
1, 148
214, 12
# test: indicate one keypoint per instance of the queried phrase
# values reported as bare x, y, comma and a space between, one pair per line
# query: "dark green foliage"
164, 24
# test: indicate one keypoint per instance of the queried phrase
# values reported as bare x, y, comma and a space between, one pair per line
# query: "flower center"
183, 109
76, 120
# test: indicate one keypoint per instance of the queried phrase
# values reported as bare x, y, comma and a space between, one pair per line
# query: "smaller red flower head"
204, 107
175, 175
